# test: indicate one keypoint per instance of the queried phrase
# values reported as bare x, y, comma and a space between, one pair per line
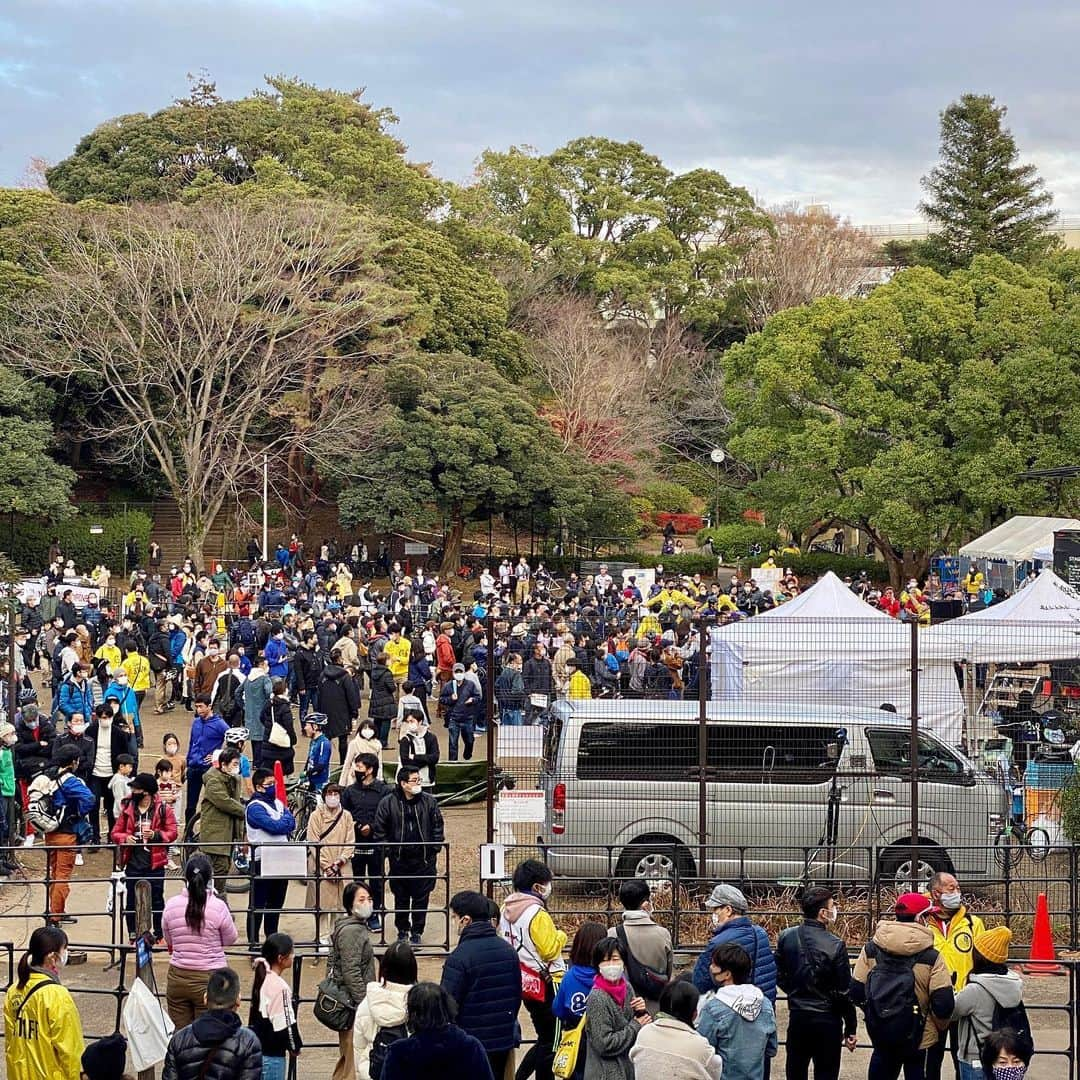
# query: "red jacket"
444, 653
163, 821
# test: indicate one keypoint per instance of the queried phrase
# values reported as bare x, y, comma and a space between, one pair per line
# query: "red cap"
911, 904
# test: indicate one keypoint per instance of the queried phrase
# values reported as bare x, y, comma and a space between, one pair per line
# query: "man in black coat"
339, 698
217, 1046
66, 610
484, 977
361, 799
308, 666
410, 825
812, 968
36, 735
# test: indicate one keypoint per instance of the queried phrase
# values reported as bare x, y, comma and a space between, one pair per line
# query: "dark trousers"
497, 1061
466, 730
410, 898
99, 785
813, 1038
367, 866
343, 749
936, 1054
886, 1067
268, 894
542, 1052
157, 898
195, 776
309, 701
256, 753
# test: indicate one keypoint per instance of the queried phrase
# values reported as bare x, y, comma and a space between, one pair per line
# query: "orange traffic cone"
279, 783
1043, 958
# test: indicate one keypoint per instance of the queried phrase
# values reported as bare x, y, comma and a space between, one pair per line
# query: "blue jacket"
743, 1032
467, 706
206, 737
276, 650
258, 817
449, 1054
318, 762
76, 799
484, 977
419, 671
569, 1003
741, 931
125, 697
177, 641
76, 699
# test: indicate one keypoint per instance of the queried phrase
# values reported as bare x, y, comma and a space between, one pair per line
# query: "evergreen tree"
980, 199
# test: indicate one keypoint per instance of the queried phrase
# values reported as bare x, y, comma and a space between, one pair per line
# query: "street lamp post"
717, 457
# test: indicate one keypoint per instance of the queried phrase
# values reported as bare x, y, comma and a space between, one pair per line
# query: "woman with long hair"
569, 1004
613, 1016
383, 1011
42, 1032
198, 928
272, 1016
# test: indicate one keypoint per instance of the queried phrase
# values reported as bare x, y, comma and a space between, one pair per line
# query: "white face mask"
234, 770
612, 971
62, 959
363, 909
951, 901
830, 914
333, 802
76, 729
459, 677
368, 733
412, 789
544, 891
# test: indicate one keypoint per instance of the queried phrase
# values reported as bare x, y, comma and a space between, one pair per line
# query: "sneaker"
323, 947
79, 860
29, 841
171, 865
403, 935
374, 923
68, 919
415, 939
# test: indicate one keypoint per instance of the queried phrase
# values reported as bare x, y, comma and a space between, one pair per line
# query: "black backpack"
646, 981
895, 1020
384, 1038
1016, 1018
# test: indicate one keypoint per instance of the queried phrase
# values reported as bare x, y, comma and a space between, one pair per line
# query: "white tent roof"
1018, 538
1040, 622
827, 598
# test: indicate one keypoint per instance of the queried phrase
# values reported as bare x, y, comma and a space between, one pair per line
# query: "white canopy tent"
829, 648
1039, 622
1019, 539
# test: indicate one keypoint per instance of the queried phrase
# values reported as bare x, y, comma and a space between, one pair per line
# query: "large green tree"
979, 198
908, 415
465, 443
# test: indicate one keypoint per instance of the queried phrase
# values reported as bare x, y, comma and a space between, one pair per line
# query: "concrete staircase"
221, 542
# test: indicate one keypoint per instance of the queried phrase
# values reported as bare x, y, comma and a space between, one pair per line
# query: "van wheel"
894, 866
655, 858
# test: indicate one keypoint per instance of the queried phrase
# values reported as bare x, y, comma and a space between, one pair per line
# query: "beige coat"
670, 1049
338, 845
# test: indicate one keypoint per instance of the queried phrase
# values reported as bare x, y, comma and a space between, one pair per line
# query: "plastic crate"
1041, 803
1045, 776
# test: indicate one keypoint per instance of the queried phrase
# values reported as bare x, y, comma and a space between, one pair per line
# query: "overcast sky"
831, 102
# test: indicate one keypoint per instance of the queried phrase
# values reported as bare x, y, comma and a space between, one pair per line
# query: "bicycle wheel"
1008, 850
1038, 841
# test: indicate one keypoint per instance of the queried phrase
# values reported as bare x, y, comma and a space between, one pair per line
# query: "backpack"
895, 1020
41, 810
646, 981
246, 633
1014, 1017
385, 1037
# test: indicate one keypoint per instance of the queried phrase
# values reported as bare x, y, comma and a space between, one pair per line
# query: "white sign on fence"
416, 549
80, 594
521, 804
492, 862
521, 742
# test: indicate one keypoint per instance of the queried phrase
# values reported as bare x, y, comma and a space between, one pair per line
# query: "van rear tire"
894, 866
656, 858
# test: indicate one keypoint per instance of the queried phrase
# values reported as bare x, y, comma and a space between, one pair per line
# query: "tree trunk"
452, 555
195, 528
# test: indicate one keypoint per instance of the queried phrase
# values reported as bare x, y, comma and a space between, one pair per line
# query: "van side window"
614, 751
771, 753
892, 755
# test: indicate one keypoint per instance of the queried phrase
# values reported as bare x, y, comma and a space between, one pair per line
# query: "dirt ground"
95, 982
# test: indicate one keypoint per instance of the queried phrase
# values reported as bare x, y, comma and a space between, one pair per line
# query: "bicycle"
1016, 836
301, 799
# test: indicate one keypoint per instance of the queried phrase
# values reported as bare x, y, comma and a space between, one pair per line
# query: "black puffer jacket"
235, 1049
339, 698
383, 704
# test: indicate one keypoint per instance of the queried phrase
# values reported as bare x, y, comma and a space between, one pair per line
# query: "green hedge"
817, 564
667, 497
732, 543
28, 546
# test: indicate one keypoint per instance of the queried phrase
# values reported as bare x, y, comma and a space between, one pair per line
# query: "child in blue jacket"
317, 769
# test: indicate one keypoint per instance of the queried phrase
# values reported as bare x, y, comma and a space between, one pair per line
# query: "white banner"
80, 594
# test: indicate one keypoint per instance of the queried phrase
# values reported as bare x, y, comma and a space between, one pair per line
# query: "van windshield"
891, 748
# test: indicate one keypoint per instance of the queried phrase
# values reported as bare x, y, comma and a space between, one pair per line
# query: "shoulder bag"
334, 1007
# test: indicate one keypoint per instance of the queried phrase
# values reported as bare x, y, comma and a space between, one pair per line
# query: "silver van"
794, 796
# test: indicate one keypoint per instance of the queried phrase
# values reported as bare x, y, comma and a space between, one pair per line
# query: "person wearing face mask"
330, 831
361, 799
144, 830
73, 801
8, 738
419, 748
1005, 1056
76, 694
643, 942
670, 1047
208, 669
42, 1031
221, 813
353, 958
409, 824
613, 1016
76, 735
127, 704
365, 741
526, 924
483, 978
812, 968
269, 821
460, 703
339, 699
380, 1017
955, 930
728, 908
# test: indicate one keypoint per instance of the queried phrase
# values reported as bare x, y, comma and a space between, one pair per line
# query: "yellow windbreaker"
46, 1041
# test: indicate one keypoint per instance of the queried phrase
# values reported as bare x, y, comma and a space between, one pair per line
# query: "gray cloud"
835, 102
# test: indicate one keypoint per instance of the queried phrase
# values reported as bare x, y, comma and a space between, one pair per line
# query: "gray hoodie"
975, 1008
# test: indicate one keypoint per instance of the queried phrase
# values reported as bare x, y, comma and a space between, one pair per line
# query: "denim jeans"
309, 700
465, 729
273, 1068
970, 1072
512, 717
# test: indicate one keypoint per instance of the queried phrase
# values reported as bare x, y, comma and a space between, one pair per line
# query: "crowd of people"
264, 653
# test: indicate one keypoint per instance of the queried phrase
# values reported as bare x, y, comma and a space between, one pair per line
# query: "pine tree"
980, 199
